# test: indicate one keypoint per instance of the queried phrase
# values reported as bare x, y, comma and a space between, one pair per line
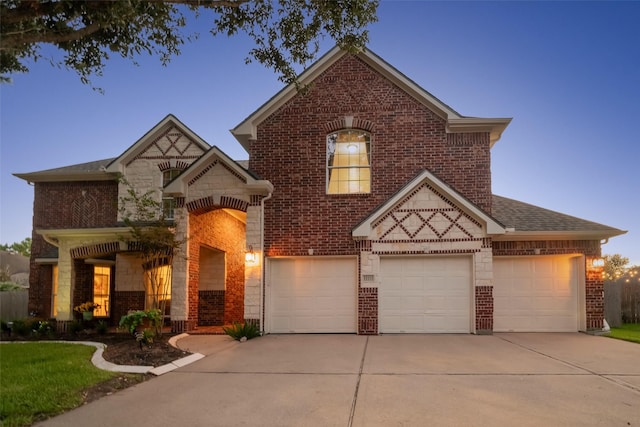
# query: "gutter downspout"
264, 269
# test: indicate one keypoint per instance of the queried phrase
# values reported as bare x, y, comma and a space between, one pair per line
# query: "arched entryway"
216, 267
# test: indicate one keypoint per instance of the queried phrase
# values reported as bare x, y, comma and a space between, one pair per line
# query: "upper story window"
348, 162
169, 203
168, 175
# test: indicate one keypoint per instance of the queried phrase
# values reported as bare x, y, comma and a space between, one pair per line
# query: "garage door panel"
433, 296
310, 295
535, 294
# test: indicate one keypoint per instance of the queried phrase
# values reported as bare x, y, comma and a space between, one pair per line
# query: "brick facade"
211, 308
431, 162
406, 138
221, 231
484, 309
60, 205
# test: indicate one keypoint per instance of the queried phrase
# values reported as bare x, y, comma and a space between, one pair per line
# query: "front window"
168, 176
169, 203
101, 289
348, 162
168, 207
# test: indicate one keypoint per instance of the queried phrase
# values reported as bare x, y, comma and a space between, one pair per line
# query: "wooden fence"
13, 305
621, 302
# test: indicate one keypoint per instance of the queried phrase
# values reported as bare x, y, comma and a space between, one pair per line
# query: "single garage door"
425, 294
535, 294
312, 295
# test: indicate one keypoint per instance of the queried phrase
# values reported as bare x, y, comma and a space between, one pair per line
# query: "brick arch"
207, 204
95, 250
342, 123
179, 164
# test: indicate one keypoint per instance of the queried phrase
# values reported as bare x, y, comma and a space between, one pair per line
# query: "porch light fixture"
250, 256
597, 262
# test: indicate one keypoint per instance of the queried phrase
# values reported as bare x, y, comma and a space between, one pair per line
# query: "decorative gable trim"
439, 221
170, 124
202, 166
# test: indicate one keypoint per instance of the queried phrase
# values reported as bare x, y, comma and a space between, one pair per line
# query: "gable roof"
525, 221
108, 169
117, 165
179, 184
90, 171
246, 131
492, 227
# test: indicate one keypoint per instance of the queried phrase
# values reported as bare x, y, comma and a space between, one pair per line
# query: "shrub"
42, 328
75, 327
140, 319
102, 327
21, 327
238, 331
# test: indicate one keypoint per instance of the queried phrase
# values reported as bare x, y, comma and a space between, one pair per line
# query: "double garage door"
416, 295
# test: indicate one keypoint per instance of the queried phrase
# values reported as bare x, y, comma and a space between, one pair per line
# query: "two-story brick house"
365, 207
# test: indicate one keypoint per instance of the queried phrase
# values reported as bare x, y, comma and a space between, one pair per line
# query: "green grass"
627, 332
39, 380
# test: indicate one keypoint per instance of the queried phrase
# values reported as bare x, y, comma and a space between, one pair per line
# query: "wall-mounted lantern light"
250, 256
597, 262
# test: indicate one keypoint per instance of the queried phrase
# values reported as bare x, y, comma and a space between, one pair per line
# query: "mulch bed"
122, 349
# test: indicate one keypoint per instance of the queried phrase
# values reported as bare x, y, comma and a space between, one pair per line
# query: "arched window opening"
348, 162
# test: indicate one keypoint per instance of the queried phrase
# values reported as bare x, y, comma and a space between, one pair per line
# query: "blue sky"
565, 71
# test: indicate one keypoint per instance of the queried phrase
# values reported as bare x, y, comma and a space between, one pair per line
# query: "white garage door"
425, 294
312, 295
535, 294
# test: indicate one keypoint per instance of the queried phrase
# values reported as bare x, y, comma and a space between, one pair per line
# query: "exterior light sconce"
250, 256
597, 263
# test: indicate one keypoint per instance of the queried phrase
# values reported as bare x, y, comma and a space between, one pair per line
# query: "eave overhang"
515, 235
494, 126
53, 236
67, 177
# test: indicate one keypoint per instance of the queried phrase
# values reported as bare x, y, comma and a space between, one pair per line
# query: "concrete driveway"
392, 380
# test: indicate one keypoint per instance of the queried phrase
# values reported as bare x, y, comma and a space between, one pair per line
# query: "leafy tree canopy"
614, 266
285, 32
21, 248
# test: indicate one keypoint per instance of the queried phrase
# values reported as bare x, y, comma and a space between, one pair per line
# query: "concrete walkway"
390, 380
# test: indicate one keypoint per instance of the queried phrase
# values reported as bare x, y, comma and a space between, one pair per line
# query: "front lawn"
41, 379
627, 332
